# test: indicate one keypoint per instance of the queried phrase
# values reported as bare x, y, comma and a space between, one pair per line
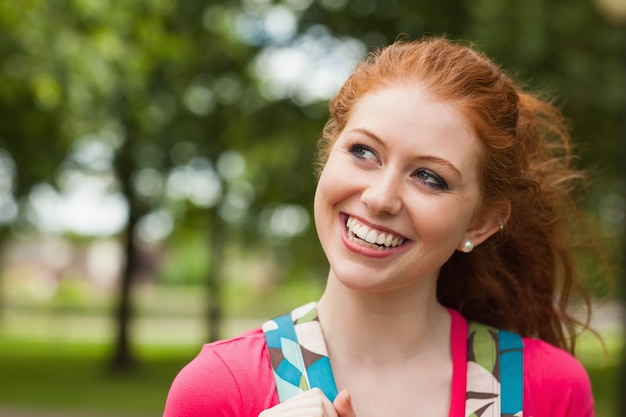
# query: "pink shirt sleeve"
227, 378
555, 383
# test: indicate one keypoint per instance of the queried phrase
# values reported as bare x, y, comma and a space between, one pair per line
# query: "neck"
382, 326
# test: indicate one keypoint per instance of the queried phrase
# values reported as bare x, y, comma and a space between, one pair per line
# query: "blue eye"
431, 179
362, 152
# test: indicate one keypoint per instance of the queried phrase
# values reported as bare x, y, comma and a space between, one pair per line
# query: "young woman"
443, 196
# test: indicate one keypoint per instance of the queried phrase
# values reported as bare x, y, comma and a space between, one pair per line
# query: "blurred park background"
156, 173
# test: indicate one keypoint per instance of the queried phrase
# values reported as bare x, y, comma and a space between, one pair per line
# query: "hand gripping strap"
298, 353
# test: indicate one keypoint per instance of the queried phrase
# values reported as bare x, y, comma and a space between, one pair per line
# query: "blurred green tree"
168, 90
31, 111
211, 110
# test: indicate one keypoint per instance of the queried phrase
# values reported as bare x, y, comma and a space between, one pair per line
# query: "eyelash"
439, 184
358, 151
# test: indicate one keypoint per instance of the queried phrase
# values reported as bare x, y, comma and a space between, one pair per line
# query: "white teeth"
372, 236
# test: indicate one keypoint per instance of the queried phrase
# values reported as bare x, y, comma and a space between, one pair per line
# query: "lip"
364, 250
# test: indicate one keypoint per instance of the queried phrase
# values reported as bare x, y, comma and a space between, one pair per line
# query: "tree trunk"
123, 356
3, 234
621, 383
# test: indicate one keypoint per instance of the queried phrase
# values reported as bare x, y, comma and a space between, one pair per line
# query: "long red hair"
524, 277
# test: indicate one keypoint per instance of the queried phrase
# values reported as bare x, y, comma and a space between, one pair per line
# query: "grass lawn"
72, 377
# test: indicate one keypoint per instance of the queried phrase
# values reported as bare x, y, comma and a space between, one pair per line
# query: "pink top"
233, 378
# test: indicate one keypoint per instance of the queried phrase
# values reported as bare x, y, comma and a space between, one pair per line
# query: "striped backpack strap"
298, 353
494, 372
494, 363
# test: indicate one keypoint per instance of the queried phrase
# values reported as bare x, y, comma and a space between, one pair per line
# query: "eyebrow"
429, 158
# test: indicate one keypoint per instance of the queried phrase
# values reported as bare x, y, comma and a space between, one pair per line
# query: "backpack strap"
494, 372
298, 353
300, 362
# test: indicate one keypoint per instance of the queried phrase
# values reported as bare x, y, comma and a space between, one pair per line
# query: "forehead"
415, 121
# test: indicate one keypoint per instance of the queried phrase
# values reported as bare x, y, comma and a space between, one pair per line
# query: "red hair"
523, 278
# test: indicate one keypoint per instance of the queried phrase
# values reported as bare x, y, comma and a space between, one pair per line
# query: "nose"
383, 194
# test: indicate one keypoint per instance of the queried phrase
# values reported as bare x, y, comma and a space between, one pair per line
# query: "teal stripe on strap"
291, 367
512, 370
286, 327
321, 376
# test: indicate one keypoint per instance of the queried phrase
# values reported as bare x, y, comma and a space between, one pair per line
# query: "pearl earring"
501, 222
467, 246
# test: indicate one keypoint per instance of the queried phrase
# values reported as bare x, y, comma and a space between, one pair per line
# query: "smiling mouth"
365, 235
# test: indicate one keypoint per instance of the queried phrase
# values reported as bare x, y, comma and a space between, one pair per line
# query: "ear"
488, 222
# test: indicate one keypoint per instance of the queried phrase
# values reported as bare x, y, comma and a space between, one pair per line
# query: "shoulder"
555, 382
227, 378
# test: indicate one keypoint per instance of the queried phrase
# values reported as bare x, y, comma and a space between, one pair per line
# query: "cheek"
323, 214
331, 190
439, 219
317, 203
320, 199
329, 184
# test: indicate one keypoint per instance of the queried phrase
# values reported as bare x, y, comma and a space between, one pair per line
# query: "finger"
343, 405
310, 403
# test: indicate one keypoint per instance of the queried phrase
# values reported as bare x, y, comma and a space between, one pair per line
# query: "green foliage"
566, 50
145, 76
186, 262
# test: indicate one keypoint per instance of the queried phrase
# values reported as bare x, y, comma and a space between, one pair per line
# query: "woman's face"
399, 191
